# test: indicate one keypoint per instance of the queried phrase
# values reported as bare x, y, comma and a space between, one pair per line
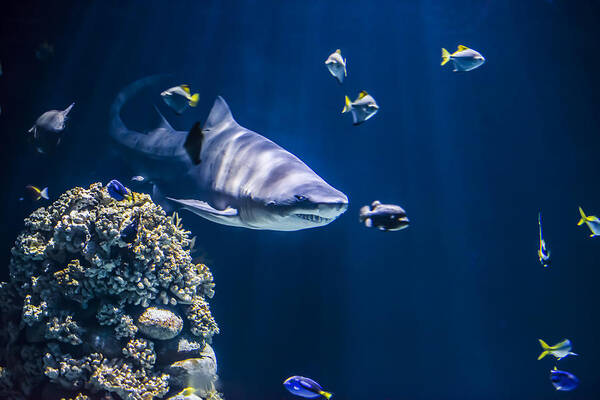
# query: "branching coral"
87, 315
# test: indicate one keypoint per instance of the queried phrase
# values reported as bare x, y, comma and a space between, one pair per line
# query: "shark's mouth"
313, 218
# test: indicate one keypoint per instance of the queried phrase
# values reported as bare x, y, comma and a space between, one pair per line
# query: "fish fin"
325, 394
161, 200
375, 203
461, 47
445, 56
163, 121
186, 88
193, 143
338, 51
347, 105
583, 217
44, 193
68, 109
194, 100
220, 114
362, 94
203, 206
546, 349
369, 223
362, 214
345, 71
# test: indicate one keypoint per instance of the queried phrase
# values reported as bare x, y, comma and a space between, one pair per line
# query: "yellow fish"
559, 350
592, 222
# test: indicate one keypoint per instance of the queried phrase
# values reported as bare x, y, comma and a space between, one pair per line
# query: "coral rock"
160, 323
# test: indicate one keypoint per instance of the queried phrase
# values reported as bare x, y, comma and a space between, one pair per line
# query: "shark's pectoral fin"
161, 200
199, 207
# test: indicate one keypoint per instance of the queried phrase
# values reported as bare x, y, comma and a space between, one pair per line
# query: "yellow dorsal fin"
338, 51
186, 88
555, 369
461, 47
362, 94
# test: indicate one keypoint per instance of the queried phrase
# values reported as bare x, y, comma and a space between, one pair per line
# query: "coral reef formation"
87, 315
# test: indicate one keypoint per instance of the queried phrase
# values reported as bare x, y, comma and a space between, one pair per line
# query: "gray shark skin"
242, 179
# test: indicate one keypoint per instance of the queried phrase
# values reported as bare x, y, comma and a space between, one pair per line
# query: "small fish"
337, 65
363, 108
563, 380
138, 178
385, 217
543, 252
464, 59
179, 98
117, 191
305, 387
53, 121
37, 194
189, 393
129, 233
592, 222
192, 245
559, 350
44, 51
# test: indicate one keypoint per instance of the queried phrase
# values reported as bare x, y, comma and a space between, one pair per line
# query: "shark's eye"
300, 197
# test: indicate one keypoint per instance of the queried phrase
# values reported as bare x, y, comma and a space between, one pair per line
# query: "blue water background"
450, 308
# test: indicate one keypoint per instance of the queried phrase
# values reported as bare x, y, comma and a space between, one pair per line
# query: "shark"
224, 172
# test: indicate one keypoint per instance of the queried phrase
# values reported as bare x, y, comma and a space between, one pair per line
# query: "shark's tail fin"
116, 124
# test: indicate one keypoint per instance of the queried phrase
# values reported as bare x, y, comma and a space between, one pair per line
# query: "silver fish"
362, 109
179, 98
385, 217
51, 121
337, 65
464, 59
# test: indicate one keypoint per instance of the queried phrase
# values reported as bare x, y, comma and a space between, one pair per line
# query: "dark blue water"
450, 308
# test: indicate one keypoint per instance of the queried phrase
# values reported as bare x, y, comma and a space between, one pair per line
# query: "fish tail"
194, 100
44, 193
445, 56
583, 217
546, 349
347, 105
327, 395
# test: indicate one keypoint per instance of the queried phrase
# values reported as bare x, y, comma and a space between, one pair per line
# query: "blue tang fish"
563, 380
129, 233
305, 387
117, 191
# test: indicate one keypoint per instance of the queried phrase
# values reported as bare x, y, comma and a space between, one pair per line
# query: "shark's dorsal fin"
362, 94
461, 47
163, 121
193, 143
219, 115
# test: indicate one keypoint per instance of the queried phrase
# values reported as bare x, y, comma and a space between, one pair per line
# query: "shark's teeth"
312, 218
